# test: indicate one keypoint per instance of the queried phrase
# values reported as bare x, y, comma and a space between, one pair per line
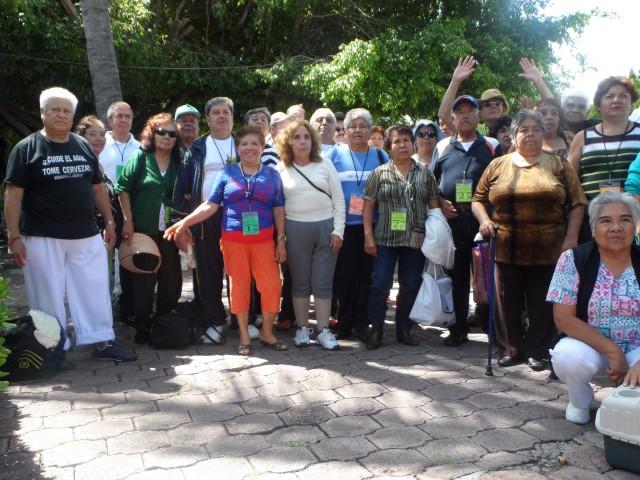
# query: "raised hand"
465, 68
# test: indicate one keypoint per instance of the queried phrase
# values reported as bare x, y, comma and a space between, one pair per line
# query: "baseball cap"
463, 99
422, 122
184, 109
280, 116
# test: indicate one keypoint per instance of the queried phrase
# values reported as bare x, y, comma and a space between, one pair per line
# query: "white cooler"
618, 419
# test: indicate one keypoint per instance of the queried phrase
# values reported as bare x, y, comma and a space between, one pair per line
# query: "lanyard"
359, 180
121, 152
407, 188
247, 181
228, 162
610, 167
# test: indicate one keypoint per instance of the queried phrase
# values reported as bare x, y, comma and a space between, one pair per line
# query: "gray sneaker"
326, 339
302, 336
213, 336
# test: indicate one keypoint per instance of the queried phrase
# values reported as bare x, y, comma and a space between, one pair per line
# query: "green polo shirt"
148, 189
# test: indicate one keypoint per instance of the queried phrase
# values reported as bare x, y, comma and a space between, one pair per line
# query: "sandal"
244, 349
278, 346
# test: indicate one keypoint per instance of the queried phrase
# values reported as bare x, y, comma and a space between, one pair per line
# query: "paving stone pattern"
425, 412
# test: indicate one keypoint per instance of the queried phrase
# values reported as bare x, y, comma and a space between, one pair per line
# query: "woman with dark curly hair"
555, 139
145, 190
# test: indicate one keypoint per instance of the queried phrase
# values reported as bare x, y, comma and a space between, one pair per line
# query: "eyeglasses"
162, 132
494, 103
354, 127
426, 133
340, 129
575, 106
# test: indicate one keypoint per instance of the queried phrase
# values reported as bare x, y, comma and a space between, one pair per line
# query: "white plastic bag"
438, 242
434, 304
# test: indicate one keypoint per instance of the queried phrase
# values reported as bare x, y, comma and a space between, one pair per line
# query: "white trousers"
576, 363
79, 269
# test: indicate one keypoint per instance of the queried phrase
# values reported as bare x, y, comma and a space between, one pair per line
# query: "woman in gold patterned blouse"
538, 205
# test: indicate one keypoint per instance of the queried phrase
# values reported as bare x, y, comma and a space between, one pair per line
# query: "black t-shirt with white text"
58, 180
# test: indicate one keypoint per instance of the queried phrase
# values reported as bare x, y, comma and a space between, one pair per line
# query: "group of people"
333, 206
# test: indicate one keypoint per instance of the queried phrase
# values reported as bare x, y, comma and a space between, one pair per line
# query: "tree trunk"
102, 55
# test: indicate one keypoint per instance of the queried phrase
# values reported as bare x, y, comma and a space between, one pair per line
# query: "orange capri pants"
244, 260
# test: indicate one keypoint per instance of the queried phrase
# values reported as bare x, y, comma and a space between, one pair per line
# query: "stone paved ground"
425, 412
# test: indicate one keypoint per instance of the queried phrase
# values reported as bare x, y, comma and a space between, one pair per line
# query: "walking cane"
490, 294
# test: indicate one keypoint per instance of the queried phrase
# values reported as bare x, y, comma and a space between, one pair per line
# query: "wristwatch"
281, 237
110, 222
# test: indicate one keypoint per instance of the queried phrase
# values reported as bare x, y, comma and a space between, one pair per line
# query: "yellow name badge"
356, 204
398, 221
463, 191
610, 186
250, 224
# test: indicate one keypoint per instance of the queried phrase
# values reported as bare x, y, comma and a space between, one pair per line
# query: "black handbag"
177, 329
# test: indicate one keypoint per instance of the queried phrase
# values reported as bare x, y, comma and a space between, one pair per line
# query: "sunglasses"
162, 132
426, 133
495, 103
340, 129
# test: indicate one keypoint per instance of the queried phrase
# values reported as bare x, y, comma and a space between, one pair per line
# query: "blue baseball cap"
464, 98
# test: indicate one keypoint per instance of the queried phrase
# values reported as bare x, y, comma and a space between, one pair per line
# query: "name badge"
356, 204
607, 186
399, 221
250, 224
463, 191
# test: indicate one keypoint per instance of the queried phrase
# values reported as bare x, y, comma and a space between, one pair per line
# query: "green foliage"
5, 315
393, 57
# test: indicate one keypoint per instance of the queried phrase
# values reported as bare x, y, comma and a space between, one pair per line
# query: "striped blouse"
607, 158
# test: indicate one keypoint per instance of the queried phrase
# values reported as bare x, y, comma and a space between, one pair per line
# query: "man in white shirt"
201, 164
324, 121
120, 142
117, 151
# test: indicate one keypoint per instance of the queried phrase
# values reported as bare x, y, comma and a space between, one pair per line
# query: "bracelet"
281, 237
13, 240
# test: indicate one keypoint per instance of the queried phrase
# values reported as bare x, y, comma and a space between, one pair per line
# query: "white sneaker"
302, 336
213, 336
577, 415
253, 332
326, 339
258, 320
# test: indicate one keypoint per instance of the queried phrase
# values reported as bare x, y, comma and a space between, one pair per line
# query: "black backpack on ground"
29, 359
177, 329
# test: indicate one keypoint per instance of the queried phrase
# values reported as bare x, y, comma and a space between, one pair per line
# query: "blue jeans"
410, 266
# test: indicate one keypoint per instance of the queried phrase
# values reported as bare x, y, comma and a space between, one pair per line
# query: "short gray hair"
612, 196
58, 92
215, 101
323, 112
116, 105
362, 113
575, 92
526, 114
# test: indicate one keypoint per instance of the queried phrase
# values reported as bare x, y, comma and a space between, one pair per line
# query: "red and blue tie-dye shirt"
613, 307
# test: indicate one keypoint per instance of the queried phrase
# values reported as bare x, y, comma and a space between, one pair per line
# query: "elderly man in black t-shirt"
53, 183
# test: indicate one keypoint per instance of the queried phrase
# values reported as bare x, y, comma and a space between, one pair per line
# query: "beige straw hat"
141, 244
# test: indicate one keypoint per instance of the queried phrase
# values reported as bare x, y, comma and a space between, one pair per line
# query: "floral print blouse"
614, 309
